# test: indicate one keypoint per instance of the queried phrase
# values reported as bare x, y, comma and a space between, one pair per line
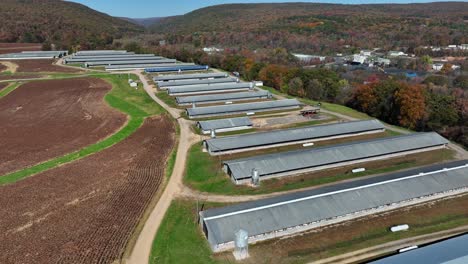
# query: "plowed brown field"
45, 119
18, 47
2, 67
3, 85
85, 211
41, 66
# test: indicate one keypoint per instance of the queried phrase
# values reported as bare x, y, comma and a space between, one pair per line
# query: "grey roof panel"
449, 251
238, 108
291, 135
123, 62
207, 88
197, 82
174, 77
309, 158
225, 123
269, 215
143, 66
103, 52
222, 97
113, 58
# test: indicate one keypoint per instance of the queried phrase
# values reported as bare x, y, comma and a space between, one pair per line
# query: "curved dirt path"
142, 248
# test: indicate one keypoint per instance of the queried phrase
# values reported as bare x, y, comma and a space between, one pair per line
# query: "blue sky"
161, 8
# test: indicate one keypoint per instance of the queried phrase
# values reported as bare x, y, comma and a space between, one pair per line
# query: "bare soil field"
42, 66
19, 77
85, 211
365, 232
3, 85
3, 67
18, 47
45, 119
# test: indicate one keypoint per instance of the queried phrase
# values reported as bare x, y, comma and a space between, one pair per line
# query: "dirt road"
142, 249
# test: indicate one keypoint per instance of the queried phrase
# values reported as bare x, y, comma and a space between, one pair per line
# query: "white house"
396, 53
210, 50
437, 66
365, 52
359, 58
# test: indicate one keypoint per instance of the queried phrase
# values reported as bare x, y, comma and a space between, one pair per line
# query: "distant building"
396, 53
211, 50
365, 52
306, 57
357, 58
437, 66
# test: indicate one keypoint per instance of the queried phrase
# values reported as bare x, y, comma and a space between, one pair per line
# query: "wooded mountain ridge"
60, 22
320, 27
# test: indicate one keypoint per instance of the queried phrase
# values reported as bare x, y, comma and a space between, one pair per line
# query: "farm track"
45, 119
85, 211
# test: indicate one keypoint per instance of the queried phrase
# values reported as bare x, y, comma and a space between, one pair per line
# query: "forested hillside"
320, 27
61, 23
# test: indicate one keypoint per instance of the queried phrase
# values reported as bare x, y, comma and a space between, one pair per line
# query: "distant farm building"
212, 88
246, 108
196, 76
225, 125
32, 55
302, 161
224, 97
165, 85
292, 136
301, 211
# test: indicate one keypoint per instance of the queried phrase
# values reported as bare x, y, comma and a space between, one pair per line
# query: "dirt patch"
42, 66
45, 119
361, 233
8, 66
19, 47
85, 211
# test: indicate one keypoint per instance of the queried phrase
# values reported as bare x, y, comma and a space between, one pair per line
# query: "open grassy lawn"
135, 103
204, 172
169, 100
179, 239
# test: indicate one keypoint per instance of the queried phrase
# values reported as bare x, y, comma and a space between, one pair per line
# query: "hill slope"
296, 25
59, 22
145, 22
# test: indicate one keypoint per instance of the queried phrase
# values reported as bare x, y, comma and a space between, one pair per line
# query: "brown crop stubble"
44, 65
85, 211
41, 120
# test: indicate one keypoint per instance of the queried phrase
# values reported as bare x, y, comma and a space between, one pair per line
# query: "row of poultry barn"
211, 96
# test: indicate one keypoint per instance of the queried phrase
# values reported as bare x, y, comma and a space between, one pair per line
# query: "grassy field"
166, 98
204, 172
135, 103
179, 240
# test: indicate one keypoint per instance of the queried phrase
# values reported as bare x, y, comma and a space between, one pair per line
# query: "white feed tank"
241, 242
255, 177
398, 228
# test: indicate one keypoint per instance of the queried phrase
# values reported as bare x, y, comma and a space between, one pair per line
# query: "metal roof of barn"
315, 157
33, 54
206, 87
449, 251
178, 68
269, 215
142, 66
174, 77
104, 52
238, 108
222, 97
291, 135
113, 58
197, 82
129, 62
225, 123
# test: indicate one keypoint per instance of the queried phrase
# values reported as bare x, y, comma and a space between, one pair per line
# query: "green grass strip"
179, 240
135, 103
5, 91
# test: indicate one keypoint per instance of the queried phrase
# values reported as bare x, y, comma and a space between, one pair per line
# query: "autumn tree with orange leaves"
411, 104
